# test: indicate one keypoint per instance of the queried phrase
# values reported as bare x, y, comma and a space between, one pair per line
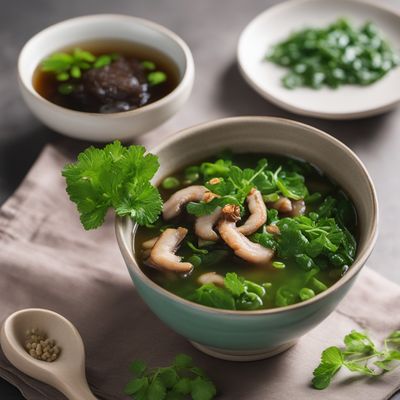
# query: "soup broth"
88, 96
289, 280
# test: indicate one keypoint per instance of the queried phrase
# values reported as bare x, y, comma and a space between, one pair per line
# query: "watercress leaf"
202, 208
169, 377
265, 239
222, 188
219, 169
234, 283
135, 385
113, 177
331, 361
357, 367
394, 338
291, 240
213, 296
183, 386
202, 389
326, 209
358, 342
291, 185
142, 202
138, 165
272, 216
156, 390
138, 367
182, 361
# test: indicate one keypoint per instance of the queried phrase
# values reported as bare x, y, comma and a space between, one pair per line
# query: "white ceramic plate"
346, 102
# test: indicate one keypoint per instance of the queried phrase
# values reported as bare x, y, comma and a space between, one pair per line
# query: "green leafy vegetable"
359, 354
333, 56
177, 381
70, 66
114, 177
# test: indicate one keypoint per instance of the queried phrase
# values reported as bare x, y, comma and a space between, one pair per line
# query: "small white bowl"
346, 102
105, 127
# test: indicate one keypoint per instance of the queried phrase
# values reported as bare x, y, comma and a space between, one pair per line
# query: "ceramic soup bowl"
249, 335
119, 125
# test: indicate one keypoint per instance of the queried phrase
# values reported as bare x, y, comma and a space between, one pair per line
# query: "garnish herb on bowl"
114, 77
69, 66
181, 380
116, 177
337, 55
359, 355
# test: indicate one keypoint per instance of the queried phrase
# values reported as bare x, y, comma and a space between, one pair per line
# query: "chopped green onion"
278, 265
170, 183
306, 293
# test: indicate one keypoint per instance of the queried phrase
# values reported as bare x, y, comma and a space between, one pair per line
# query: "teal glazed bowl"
252, 335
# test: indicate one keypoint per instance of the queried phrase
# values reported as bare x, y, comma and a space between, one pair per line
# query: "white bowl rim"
183, 82
303, 111
354, 269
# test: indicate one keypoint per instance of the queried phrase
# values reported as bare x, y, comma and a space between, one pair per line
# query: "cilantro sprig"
114, 177
235, 184
176, 382
359, 354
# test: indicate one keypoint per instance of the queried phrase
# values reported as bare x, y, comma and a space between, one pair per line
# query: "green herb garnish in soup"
249, 232
337, 55
105, 77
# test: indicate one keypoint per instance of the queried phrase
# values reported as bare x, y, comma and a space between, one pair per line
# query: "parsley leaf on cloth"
175, 382
115, 177
361, 355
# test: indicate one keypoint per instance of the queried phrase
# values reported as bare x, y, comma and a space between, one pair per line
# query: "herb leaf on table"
359, 354
175, 382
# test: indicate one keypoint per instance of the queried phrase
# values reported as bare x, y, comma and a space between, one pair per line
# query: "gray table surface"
211, 29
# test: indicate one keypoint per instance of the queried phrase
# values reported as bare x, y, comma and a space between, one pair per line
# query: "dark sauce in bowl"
120, 86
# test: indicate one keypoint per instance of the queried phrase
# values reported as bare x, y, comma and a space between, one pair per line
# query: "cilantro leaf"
331, 362
202, 389
175, 382
135, 385
234, 283
213, 296
142, 202
156, 390
138, 367
183, 361
113, 177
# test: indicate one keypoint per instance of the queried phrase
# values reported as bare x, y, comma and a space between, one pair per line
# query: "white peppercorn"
40, 347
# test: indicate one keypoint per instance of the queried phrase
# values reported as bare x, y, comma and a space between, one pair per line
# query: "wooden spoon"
67, 372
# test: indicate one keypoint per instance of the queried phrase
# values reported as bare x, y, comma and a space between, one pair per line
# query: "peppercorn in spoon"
58, 360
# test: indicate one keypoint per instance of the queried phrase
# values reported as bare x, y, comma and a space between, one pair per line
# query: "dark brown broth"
46, 84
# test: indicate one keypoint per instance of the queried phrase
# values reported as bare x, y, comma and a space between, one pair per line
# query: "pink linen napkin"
47, 260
